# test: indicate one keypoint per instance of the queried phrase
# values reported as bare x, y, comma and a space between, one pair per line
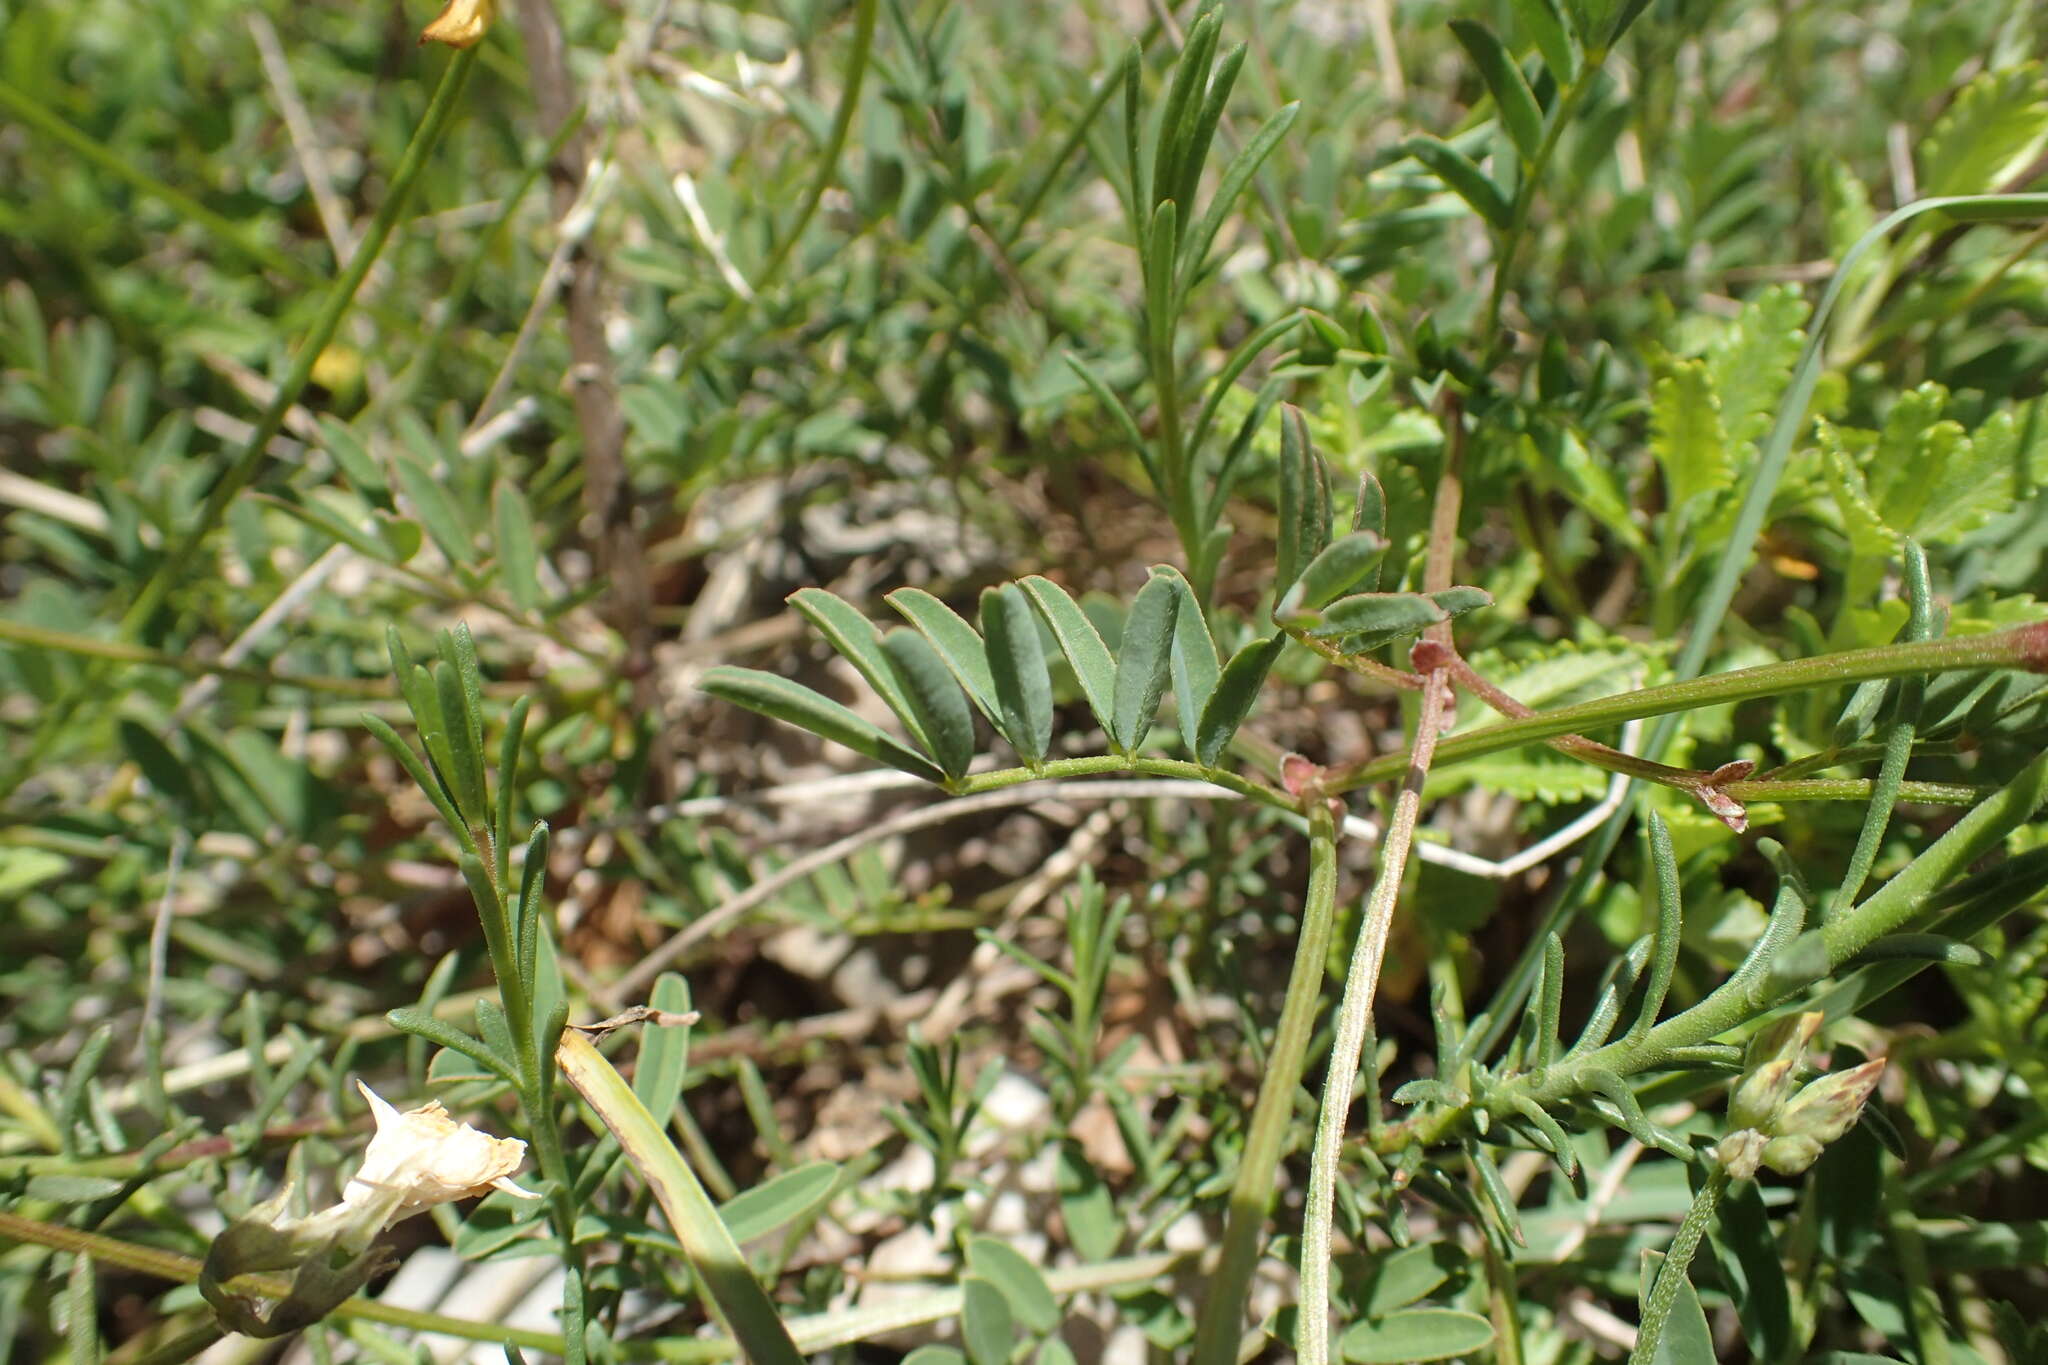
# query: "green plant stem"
1891, 908
178, 562
119, 651
1664, 1293
1100, 764
1221, 1325
1354, 1020
2021, 647
1525, 195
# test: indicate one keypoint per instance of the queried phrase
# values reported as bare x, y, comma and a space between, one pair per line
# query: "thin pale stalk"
1354, 1018
1221, 1325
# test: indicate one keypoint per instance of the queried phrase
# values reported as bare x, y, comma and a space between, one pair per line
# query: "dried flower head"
427, 1158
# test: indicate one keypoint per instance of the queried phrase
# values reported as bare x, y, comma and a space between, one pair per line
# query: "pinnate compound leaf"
1236, 690
1687, 440
1415, 1334
1016, 661
1997, 125
937, 701
860, 642
956, 642
794, 704
1081, 643
1144, 658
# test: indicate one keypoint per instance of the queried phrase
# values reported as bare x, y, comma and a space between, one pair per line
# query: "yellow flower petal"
461, 23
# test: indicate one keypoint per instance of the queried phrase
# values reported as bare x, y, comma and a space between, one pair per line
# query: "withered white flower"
426, 1158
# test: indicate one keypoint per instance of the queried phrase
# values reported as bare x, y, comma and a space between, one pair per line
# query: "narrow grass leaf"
1016, 661
1231, 702
1513, 101
664, 1050
721, 1272
1080, 642
1144, 660
794, 704
935, 698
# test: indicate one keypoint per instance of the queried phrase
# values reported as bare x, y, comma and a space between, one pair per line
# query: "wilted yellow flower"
427, 1158
461, 23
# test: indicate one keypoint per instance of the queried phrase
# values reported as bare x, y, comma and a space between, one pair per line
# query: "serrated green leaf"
1081, 643
1016, 661
1144, 658
1236, 691
1513, 101
794, 704
1462, 177
1022, 1282
518, 555
1688, 442
1415, 1334
1995, 126
935, 698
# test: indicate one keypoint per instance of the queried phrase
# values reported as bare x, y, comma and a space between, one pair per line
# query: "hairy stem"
1671, 1275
